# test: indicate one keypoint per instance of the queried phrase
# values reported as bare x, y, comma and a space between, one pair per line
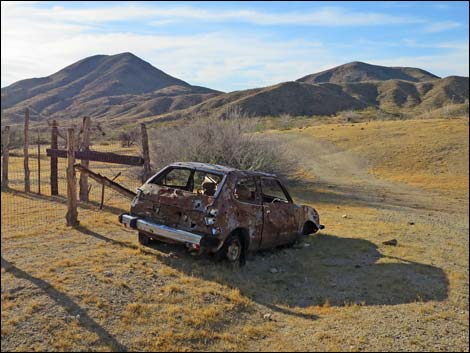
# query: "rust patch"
216, 202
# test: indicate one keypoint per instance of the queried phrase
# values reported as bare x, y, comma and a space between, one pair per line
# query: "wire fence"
23, 211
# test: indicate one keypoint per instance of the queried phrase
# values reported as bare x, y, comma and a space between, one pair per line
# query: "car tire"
143, 239
233, 249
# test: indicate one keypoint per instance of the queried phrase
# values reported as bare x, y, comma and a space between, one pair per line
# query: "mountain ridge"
95, 77
358, 71
125, 86
331, 98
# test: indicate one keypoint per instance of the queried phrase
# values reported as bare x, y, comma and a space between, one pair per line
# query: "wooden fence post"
85, 146
6, 155
54, 160
145, 152
72, 213
27, 185
39, 164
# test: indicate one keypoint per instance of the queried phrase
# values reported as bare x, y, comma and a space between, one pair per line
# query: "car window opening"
195, 181
272, 191
245, 190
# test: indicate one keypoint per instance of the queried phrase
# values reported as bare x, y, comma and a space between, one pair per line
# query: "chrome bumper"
159, 229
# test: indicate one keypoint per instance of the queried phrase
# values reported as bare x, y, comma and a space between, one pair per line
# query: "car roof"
216, 168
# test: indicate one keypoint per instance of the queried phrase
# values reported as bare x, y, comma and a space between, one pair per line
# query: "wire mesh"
24, 212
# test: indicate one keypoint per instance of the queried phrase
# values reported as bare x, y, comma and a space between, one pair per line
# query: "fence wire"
26, 212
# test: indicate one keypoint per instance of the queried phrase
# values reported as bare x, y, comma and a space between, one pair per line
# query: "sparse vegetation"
128, 138
56, 296
285, 122
231, 142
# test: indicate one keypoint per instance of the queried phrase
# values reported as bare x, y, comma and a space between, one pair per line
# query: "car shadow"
334, 270
68, 304
329, 270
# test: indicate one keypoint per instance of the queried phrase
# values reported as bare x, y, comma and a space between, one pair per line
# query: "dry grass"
425, 153
344, 291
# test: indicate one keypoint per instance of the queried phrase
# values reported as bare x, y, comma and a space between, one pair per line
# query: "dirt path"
347, 173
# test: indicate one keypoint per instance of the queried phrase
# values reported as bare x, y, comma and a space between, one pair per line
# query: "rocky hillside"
359, 72
125, 88
103, 86
299, 98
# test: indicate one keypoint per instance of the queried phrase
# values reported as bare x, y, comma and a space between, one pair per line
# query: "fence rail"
105, 157
107, 163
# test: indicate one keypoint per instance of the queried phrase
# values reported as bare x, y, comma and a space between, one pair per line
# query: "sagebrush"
231, 142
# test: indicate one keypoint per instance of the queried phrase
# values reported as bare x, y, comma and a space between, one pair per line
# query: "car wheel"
143, 239
233, 249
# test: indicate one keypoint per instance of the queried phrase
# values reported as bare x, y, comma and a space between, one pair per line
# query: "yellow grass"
345, 291
426, 153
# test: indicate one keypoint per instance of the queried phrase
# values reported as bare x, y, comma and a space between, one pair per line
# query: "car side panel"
239, 215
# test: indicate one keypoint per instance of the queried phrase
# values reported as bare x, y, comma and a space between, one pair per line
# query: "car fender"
305, 214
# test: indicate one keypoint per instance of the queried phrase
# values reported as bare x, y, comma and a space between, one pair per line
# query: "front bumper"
159, 229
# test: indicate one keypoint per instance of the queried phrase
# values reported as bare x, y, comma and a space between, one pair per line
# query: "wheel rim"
233, 251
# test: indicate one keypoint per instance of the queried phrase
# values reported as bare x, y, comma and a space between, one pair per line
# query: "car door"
249, 210
278, 211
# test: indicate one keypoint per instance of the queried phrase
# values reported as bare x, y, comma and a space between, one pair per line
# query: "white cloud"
33, 46
438, 64
442, 26
457, 45
326, 16
213, 59
6, 4
38, 41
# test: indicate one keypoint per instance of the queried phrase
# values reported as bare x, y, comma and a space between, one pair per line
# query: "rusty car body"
221, 210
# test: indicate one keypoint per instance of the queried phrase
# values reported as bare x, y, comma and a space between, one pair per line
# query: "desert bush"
448, 111
16, 139
129, 138
285, 122
349, 116
231, 141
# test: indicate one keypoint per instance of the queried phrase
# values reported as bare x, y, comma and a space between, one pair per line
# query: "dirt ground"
95, 288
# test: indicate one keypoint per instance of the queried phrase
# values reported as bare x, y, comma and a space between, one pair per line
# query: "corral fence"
39, 163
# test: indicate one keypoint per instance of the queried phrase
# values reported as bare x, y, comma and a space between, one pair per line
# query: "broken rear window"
175, 178
206, 183
195, 181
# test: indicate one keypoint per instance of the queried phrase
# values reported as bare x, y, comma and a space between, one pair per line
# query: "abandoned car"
220, 210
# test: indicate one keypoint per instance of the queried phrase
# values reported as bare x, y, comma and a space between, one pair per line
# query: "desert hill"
100, 85
359, 72
124, 88
299, 98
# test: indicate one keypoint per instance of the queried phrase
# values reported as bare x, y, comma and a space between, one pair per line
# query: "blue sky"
235, 45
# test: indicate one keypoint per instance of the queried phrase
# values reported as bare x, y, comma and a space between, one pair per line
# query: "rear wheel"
143, 239
233, 248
